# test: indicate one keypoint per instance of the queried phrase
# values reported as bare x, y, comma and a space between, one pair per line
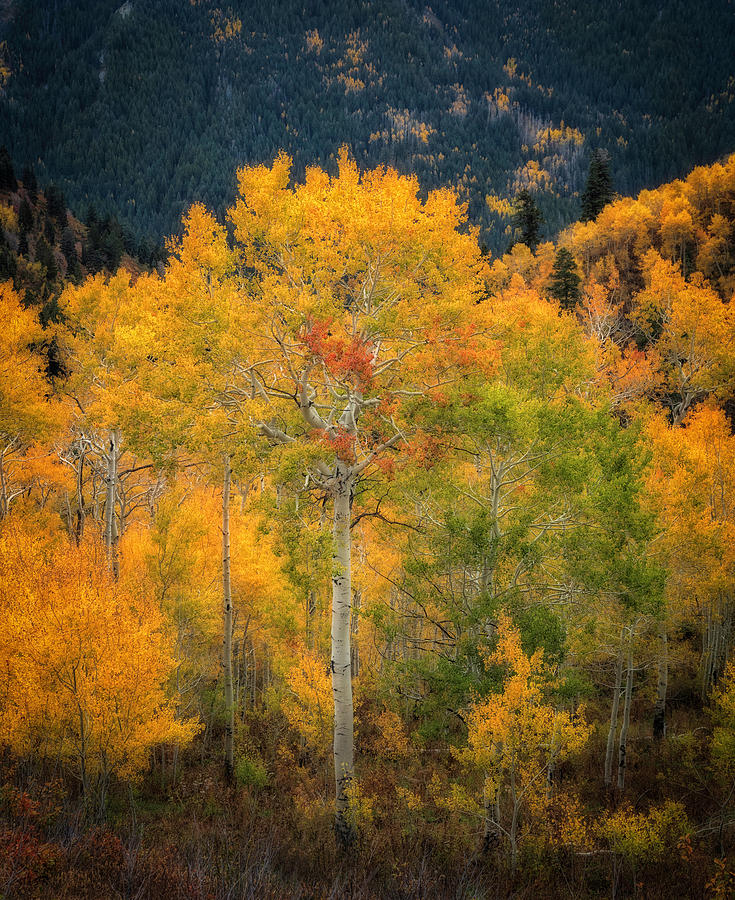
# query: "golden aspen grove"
356, 546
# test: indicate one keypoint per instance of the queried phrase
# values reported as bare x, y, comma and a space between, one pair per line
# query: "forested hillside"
340, 559
143, 108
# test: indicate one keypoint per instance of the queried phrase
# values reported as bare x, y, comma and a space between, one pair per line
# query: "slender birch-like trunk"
79, 534
355, 648
254, 681
659, 709
341, 660
227, 641
310, 618
716, 642
623, 746
491, 829
614, 716
113, 448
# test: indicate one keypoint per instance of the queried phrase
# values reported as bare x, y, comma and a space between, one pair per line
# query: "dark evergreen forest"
143, 108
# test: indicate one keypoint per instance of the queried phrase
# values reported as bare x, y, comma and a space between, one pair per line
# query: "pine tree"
69, 249
55, 203
30, 183
527, 219
598, 191
8, 263
565, 280
25, 217
45, 255
7, 173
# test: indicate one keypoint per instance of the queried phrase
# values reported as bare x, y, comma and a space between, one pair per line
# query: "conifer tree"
598, 191
527, 219
565, 279
69, 249
25, 217
7, 174
55, 203
30, 183
45, 255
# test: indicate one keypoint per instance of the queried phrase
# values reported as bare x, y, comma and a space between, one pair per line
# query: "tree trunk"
110, 498
614, 716
341, 661
80, 502
355, 649
659, 709
491, 830
513, 834
623, 746
716, 642
254, 677
227, 642
310, 618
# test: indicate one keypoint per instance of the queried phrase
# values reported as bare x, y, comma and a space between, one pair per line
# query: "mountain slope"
144, 108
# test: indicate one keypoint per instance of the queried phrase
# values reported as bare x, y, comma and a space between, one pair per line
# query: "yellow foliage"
514, 737
225, 26
393, 741
84, 662
644, 836
499, 205
314, 43
361, 808
308, 704
8, 217
693, 331
22, 384
723, 737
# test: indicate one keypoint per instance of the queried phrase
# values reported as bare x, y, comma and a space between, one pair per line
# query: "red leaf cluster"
344, 357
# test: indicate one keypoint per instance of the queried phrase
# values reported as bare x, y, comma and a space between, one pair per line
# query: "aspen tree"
26, 416
366, 299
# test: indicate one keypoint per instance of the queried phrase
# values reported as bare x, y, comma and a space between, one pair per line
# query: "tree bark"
491, 830
113, 448
310, 618
227, 642
614, 716
716, 642
355, 648
341, 661
623, 746
79, 534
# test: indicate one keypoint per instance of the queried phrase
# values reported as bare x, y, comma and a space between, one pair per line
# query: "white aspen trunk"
513, 835
623, 746
659, 709
341, 661
227, 641
236, 676
614, 716
706, 662
355, 649
491, 829
310, 618
110, 497
80, 501
254, 682
716, 641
